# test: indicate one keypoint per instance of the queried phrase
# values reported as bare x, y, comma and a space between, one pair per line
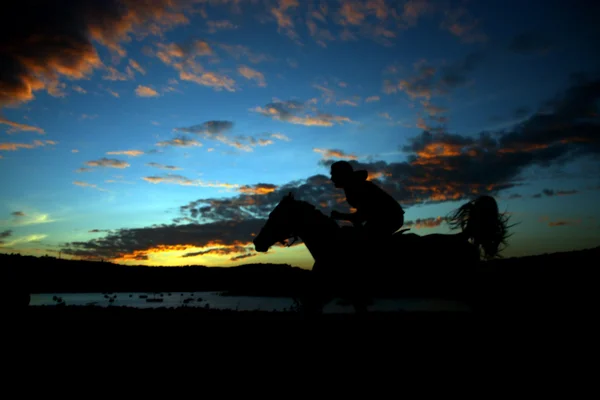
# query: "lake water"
242, 303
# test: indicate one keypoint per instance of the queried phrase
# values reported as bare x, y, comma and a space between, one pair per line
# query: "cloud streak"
108, 163
219, 131
162, 166
16, 146
86, 185
183, 181
298, 113
16, 127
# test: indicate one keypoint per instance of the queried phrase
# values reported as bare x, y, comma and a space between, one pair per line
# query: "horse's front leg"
317, 292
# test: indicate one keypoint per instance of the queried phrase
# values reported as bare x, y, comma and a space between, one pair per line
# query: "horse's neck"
316, 230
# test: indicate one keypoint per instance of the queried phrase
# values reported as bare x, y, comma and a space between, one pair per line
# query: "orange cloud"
424, 223
377, 175
16, 146
134, 64
297, 113
41, 52
334, 153
211, 79
252, 74
352, 13
145, 91
523, 148
211, 248
284, 20
261, 188
16, 126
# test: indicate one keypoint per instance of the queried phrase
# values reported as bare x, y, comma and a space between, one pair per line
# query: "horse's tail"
482, 223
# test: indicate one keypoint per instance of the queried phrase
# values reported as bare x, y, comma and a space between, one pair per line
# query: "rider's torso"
372, 201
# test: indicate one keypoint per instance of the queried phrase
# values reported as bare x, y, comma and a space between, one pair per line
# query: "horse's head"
279, 226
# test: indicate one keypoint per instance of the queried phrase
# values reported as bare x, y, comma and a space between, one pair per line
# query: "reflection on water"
241, 303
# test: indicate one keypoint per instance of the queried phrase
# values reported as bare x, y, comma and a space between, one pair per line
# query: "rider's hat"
344, 168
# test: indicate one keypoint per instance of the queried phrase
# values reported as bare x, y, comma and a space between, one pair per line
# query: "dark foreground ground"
44, 314
94, 313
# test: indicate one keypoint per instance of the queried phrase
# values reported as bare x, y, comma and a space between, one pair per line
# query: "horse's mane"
305, 206
308, 209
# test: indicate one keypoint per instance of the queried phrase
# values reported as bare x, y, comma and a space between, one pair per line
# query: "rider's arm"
358, 217
355, 217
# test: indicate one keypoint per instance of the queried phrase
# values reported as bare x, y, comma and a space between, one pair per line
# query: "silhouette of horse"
406, 263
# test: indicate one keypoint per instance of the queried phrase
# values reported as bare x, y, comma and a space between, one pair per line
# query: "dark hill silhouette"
534, 282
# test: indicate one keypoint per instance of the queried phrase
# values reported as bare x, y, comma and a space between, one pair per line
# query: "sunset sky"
164, 132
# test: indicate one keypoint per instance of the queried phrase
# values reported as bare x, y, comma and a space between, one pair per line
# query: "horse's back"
435, 247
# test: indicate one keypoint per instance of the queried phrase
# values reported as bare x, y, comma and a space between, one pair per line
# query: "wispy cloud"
180, 141
211, 79
146, 91
33, 145
112, 74
183, 181
20, 240
134, 64
215, 26
238, 52
113, 93
22, 218
5, 235
131, 153
280, 136
334, 153
421, 223
17, 126
162, 166
259, 188
219, 131
108, 162
90, 185
298, 113
252, 74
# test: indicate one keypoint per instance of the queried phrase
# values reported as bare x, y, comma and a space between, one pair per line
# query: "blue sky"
116, 122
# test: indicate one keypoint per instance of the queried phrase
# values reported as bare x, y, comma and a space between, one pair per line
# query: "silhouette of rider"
377, 214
